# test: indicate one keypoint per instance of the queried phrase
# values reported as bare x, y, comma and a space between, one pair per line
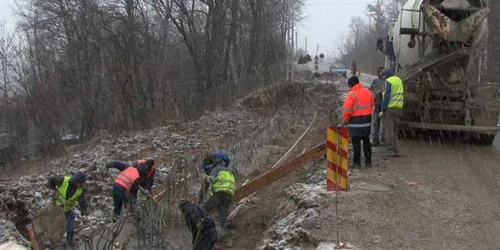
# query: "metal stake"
337, 185
340, 245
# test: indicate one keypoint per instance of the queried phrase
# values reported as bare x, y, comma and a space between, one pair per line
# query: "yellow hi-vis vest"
225, 183
397, 92
62, 191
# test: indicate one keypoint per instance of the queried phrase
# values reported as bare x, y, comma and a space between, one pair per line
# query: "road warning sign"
337, 158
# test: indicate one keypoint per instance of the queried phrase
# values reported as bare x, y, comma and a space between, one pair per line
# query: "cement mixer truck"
438, 47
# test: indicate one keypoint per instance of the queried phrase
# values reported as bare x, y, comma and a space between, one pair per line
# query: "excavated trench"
260, 129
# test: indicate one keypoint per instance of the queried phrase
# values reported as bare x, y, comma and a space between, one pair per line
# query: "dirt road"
443, 197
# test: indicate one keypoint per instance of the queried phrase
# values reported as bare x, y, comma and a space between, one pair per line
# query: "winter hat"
79, 177
221, 158
150, 163
352, 81
388, 73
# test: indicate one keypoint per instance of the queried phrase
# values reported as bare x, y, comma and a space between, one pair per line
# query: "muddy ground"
442, 196
256, 131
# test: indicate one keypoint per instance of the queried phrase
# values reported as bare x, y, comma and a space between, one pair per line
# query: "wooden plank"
32, 237
280, 171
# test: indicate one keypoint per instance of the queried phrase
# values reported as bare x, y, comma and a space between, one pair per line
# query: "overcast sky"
325, 22
6, 13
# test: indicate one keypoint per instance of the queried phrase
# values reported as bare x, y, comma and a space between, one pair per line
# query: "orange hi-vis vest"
359, 102
127, 178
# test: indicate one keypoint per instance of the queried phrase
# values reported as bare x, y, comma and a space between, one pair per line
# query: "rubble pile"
291, 232
243, 129
9, 232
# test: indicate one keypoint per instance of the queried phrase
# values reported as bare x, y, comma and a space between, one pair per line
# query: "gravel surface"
443, 197
251, 130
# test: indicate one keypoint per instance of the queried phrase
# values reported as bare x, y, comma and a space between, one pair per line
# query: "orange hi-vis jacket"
359, 102
127, 178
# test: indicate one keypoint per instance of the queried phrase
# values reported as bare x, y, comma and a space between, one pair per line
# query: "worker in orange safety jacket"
126, 185
358, 108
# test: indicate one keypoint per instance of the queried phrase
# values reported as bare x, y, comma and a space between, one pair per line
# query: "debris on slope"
9, 232
289, 232
243, 129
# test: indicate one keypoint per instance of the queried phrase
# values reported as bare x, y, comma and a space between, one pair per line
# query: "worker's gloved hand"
207, 179
381, 114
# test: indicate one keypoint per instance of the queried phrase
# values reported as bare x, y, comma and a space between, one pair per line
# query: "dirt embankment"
256, 131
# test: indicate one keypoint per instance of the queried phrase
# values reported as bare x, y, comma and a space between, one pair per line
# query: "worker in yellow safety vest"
207, 165
223, 185
69, 191
392, 109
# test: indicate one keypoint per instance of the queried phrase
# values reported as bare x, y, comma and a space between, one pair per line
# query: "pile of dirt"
289, 231
9, 232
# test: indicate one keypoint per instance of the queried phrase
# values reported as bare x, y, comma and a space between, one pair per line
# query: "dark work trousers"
219, 201
377, 135
367, 149
391, 128
70, 227
206, 237
120, 199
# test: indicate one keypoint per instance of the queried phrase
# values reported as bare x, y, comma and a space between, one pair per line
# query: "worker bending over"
202, 227
126, 185
358, 108
69, 191
207, 165
223, 185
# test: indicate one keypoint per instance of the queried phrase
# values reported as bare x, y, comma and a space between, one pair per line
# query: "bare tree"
86, 65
